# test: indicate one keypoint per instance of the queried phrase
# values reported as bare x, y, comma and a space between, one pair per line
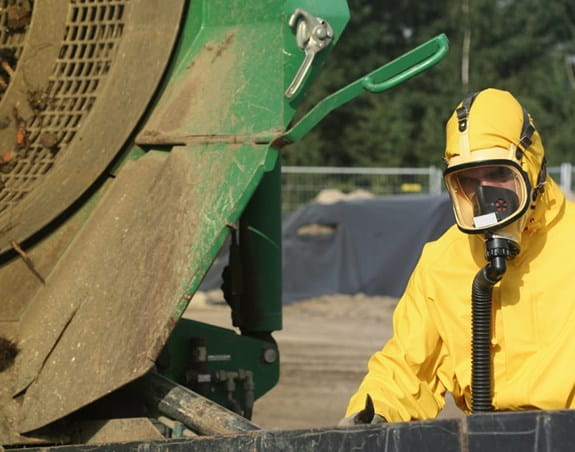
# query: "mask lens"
472, 178
486, 195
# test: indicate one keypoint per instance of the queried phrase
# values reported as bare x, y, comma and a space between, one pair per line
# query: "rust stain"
280, 142
7, 163
22, 140
221, 48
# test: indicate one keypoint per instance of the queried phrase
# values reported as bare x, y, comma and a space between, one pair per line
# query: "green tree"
524, 46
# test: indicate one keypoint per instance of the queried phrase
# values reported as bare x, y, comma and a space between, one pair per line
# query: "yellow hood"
495, 120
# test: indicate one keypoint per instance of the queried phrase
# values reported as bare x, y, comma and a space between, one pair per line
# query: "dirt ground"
324, 347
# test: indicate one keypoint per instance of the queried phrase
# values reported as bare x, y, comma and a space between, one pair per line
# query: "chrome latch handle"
313, 34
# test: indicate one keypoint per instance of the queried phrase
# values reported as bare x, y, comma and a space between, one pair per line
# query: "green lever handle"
406, 66
387, 76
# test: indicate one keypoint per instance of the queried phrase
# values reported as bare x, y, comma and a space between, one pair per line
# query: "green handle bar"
387, 76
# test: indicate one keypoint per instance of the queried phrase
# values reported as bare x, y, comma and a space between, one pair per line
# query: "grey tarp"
352, 246
373, 247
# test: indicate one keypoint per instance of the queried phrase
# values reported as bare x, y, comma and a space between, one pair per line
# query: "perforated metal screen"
92, 32
75, 78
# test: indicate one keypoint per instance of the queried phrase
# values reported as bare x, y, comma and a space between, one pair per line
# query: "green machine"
137, 137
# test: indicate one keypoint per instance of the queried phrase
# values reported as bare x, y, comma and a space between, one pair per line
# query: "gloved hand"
352, 420
365, 416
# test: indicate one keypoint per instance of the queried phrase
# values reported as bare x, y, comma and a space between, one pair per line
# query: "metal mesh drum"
75, 77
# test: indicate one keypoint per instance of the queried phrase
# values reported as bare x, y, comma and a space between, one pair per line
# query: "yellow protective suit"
533, 344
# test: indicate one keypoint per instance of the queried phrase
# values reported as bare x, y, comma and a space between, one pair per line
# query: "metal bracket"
313, 34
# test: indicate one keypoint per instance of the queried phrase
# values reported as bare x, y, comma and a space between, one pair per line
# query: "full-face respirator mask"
490, 196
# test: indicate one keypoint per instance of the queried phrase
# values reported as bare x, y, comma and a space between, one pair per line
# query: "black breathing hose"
498, 250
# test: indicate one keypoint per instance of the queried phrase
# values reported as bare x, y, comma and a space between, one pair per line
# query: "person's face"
494, 176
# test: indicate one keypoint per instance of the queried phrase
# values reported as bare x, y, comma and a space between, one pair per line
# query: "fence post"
435, 178
565, 176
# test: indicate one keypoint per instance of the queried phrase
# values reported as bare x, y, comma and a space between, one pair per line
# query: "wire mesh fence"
301, 184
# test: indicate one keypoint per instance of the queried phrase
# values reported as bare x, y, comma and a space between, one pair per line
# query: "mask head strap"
525, 142
540, 187
462, 113
527, 132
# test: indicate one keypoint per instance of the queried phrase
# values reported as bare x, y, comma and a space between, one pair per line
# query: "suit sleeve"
403, 378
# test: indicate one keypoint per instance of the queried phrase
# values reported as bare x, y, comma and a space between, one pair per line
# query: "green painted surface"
233, 68
226, 351
260, 308
226, 178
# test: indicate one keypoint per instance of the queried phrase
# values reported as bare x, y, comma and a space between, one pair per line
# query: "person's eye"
467, 183
500, 175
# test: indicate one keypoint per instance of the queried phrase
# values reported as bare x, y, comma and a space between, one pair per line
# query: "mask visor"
487, 196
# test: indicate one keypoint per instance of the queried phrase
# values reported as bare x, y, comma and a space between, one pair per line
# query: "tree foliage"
524, 46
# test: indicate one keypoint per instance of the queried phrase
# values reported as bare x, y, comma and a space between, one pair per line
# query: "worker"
514, 236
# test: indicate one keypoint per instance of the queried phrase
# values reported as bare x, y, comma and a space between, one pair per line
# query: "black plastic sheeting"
355, 246
373, 247
536, 431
